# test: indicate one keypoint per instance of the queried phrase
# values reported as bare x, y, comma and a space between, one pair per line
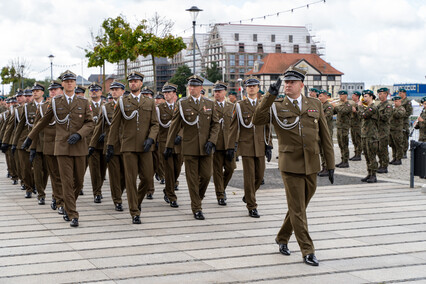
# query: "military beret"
396, 98
54, 85
342, 92
329, 94
423, 100
147, 91
38, 86
322, 91
116, 84
261, 92
220, 86
94, 87
294, 74
383, 90
369, 92
251, 81
68, 75
356, 93
233, 93
79, 90
28, 92
159, 96
135, 76
402, 90
169, 87
195, 80
314, 90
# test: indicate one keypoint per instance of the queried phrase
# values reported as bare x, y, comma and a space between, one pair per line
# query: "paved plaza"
363, 233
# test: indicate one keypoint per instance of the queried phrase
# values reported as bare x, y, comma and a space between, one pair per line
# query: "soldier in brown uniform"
198, 118
115, 163
223, 168
136, 117
385, 112
328, 113
396, 131
300, 124
96, 159
406, 103
20, 133
356, 127
251, 144
157, 154
74, 122
343, 109
172, 163
421, 122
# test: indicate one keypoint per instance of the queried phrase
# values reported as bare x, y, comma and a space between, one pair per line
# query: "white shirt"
98, 104
251, 101
299, 101
138, 97
221, 104
197, 101
68, 98
170, 105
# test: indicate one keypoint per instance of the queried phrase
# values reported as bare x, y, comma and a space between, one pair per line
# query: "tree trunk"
155, 75
125, 69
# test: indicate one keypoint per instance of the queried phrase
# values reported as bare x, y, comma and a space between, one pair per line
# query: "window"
313, 49
272, 38
331, 78
359, 87
232, 59
274, 77
259, 56
308, 39
241, 47
296, 48
260, 48
290, 38
250, 60
232, 70
232, 77
317, 77
278, 48
242, 71
254, 37
241, 59
237, 37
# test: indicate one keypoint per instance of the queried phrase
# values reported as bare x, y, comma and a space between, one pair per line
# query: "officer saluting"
135, 115
198, 118
299, 124
74, 122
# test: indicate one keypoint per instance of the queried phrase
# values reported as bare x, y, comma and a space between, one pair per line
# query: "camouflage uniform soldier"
421, 122
385, 113
356, 127
406, 103
369, 135
328, 113
396, 128
344, 111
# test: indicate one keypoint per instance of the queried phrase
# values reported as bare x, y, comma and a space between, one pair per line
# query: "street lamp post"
51, 66
240, 87
22, 76
194, 10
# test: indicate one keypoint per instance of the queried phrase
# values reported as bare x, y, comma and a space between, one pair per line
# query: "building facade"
351, 87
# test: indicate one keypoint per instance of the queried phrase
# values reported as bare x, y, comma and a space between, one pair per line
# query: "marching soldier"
406, 103
252, 146
369, 134
299, 123
356, 127
223, 168
313, 93
96, 159
343, 120
74, 122
328, 110
198, 118
385, 112
115, 164
157, 154
232, 97
421, 122
172, 163
135, 116
396, 131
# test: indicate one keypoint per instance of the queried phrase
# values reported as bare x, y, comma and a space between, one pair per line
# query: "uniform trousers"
40, 174
406, 135
383, 152
253, 171
116, 178
137, 163
172, 168
356, 140
11, 165
71, 170
396, 142
343, 140
55, 179
97, 168
299, 189
222, 172
369, 147
198, 171
25, 168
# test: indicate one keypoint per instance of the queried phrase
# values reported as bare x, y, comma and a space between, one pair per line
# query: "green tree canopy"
182, 73
213, 73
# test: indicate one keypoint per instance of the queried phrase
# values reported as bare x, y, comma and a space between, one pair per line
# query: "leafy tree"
179, 79
213, 74
14, 73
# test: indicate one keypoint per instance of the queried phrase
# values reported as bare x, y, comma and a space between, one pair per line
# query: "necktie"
69, 101
296, 105
96, 105
221, 105
254, 103
196, 102
171, 107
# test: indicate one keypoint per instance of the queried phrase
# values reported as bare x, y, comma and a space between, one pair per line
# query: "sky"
376, 42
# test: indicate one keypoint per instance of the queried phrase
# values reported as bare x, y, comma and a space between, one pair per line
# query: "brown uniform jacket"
80, 121
48, 133
26, 123
251, 141
6, 116
225, 117
96, 120
165, 114
136, 130
298, 147
194, 136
